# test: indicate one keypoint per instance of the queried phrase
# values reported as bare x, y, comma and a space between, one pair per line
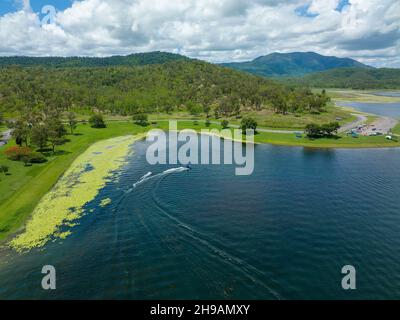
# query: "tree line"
193, 86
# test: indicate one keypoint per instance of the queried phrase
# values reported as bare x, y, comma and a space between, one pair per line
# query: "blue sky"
342, 4
304, 10
13, 5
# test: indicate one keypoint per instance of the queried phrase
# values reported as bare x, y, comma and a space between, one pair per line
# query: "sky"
211, 30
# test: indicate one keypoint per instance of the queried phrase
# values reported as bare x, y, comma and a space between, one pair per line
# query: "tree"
248, 123
1, 118
229, 105
56, 132
207, 99
225, 124
208, 123
141, 119
257, 101
21, 132
97, 121
330, 129
280, 104
194, 108
72, 122
207, 109
40, 136
325, 130
313, 130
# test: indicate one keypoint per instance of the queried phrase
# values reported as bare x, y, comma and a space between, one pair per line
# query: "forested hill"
125, 90
196, 86
352, 78
293, 64
138, 59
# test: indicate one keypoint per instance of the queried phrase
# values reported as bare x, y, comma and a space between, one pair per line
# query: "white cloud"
215, 30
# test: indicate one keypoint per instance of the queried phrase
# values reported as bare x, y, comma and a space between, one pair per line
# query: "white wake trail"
148, 176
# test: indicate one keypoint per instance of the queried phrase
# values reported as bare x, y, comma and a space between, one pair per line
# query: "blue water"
284, 232
387, 94
383, 109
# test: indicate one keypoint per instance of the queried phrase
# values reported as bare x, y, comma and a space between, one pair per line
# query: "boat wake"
249, 271
149, 176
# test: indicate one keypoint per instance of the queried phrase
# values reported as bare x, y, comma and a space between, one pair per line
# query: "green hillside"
124, 90
138, 59
352, 78
293, 64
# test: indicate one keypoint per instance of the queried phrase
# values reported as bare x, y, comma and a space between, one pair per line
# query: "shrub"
24, 154
225, 124
17, 153
97, 121
248, 123
141, 119
4, 169
36, 157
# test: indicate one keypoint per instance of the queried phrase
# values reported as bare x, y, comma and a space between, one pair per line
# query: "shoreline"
13, 205
79, 185
310, 146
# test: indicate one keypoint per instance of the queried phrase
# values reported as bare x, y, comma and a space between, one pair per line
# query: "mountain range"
293, 64
297, 68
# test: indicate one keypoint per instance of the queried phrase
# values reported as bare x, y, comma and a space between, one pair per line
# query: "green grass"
341, 141
270, 120
25, 186
337, 142
396, 129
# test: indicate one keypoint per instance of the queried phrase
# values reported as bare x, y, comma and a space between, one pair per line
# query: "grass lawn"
338, 142
22, 189
291, 139
270, 120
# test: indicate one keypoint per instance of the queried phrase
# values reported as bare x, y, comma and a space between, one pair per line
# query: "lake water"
387, 94
383, 109
284, 232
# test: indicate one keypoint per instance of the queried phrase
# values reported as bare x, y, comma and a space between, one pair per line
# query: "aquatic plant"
78, 186
105, 202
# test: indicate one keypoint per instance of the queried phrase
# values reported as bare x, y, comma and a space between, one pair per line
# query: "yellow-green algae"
79, 185
105, 202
